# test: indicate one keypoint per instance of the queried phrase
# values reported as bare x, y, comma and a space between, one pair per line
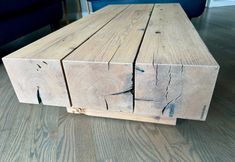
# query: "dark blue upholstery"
18, 18
12, 6
193, 8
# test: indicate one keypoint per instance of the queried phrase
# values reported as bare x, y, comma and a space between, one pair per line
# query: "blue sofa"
193, 8
20, 17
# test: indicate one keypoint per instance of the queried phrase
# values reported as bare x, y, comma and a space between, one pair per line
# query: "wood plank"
42, 133
210, 143
35, 70
86, 150
175, 73
122, 115
66, 142
75, 142
100, 72
113, 145
129, 141
183, 149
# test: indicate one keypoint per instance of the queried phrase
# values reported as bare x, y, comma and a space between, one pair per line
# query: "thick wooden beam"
100, 72
175, 73
140, 62
36, 71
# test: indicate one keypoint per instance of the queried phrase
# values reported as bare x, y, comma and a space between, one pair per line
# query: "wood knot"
80, 110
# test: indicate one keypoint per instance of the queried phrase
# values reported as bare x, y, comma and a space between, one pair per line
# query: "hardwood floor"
43, 133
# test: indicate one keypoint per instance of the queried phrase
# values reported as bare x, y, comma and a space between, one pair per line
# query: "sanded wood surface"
41, 133
142, 59
35, 70
100, 72
175, 73
122, 115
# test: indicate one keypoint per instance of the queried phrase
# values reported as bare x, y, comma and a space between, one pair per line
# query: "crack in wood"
39, 66
182, 68
147, 100
132, 90
139, 69
166, 106
113, 56
123, 92
156, 70
179, 96
153, 62
38, 95
169, 82
106, 104
156, 75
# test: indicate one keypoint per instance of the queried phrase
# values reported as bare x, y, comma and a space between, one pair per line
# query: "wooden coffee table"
143, 62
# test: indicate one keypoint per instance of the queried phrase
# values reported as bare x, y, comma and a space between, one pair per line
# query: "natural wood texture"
37, 81
122, 115
174, 72
100, 72
144, 59
89, 139
35, 70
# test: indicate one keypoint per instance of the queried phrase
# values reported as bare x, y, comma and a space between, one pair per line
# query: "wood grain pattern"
35, 70
174, 72
183, 149
44, 134
131, 143
66, 138
100, 72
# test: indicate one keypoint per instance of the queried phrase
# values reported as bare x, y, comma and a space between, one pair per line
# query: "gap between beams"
134, 62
